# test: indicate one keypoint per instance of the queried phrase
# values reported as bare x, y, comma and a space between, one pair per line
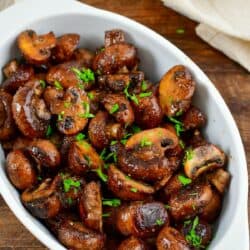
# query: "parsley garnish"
180, 31
103, 153
167, 206
102, 176
91, 96
49, 131
111, 202
58, 85
67, 104
182, 144
129, 96
125, 138
87, 159
69, 201
177, 124
179, 113
43, 84
113, 143
189, 154
68, 183
145, 94
87, 113
39, 178
135, 129
144, 85
106, 215
159, 222
145, 142
134, 190
80, 136
60, 116
86, 75
184, 180
114, 108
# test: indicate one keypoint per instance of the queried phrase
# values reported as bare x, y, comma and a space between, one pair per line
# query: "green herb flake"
135, 129
111, 202
85, 75
145, 142
179, 113
69, 201
68, 183
87, 113
58, 85
39, 178
184, 180
67, 104
42, 84
114, 108
80, 136
103, 153
167, 206
180, 31
49, 131
80, 86
144, 85
134, 190
91, 96
182, 144
128, 177
60, 116
102, 176
87, 159
145, 94
177, 124
129, 96
189, 154
159, 222
113, 143
106, 215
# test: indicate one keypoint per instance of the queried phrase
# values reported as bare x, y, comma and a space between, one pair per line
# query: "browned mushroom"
133, 243
90, 206
113, 37
118, 106
114, 58
36, 48
44, 152
148, 113
71, 107
21, 142
220, 179
29, 110
65, 47
83, 157
20, 170
7, 125
141, 219
85, 56
173, 186
10, 68
126, 188
176, 90
42, 201
171, 239
202, 159
17, 79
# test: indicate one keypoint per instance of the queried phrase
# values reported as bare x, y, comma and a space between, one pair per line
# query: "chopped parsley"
49, 131
125, 138
86, 75
179, 113
189, 154
58, 85
42, 84
87, 113
102, 176
87, 159
129, 96
159, 222
135, 129
134, 190
182, 144
144, 85
177, 124
167, 206
91, 96
113, 143
180, 31
69, 201
39, 178
145, 94
106, 215
111, 202
103, 153
60, 116
145, 142
80, 136
68, 183
184, 180
67, 104
114, 108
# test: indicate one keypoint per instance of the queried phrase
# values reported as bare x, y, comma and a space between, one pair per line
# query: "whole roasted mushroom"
133, 243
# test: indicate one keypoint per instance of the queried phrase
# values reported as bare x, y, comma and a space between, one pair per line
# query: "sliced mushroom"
83, 157
65, 47
202, 159
126, 188
176, 90
118, 106
44, 152
115, 57
90, 206
10, 68
17, 79
113, 37
220, 179
42, 201
119, 82
29, 110
132, 243
36, 48
85, 56
7, 125
71, 107
142, 220
148, 113
171, 239
20, 170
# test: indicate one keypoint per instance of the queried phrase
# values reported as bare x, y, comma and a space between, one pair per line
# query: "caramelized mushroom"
176, 90
65, 47
42, 201
118, 106
202, 159
220, 179
85, 56
173, 186
29, 110
114, 58
126, 188
142, 220
71, 107
83, 157
133, 243
10, 68
113, 37
20, 170
36, 49
171, 239
7, 126
90, 206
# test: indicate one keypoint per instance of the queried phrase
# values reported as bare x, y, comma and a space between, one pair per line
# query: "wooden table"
232, 81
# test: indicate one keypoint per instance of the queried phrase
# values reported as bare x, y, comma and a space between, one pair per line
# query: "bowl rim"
46, 9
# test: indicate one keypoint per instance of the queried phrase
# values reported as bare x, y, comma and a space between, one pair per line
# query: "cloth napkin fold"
224, 24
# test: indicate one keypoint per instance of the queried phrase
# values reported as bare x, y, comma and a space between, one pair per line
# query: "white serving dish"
157, 56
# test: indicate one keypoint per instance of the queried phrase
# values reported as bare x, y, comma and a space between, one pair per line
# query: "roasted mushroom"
133, 243
10, 68
90, 206
7, 125
171, 239
29, 110
36, 48
85, 56
20, 170
126, 188
140, 219
113, 37
202, 159
42, 201
176, 90
220, 179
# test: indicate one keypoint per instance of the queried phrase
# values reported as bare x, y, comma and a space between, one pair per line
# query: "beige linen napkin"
225, 24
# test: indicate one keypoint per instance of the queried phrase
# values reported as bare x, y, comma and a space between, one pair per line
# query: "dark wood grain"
232, 81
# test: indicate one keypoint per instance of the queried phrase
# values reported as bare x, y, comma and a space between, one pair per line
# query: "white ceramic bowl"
157, 56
